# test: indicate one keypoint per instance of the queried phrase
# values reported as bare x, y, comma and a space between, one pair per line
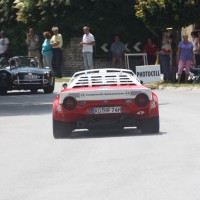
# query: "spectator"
195, 42
32, 41
4, 45
47, 51
34, 62
151, 50
117, 49
12, 63
88, 42
185, 56
165, 59
57, 43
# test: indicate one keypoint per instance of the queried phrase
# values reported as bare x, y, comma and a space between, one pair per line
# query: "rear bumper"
106, 123
130, 114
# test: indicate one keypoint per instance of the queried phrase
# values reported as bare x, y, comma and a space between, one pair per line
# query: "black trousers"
57, 62
151, 59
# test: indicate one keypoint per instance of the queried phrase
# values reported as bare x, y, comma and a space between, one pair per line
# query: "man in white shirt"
4, 45
88, 42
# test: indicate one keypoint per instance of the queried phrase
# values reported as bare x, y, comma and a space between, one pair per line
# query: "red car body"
105, 99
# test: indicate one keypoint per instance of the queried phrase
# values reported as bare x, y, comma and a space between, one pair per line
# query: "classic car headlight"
141, 100
69, 103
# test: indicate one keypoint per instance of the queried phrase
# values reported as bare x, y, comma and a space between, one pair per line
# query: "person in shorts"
185, 57
117, 49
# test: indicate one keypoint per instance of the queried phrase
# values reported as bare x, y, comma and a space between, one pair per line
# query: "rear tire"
62, 129
150, 125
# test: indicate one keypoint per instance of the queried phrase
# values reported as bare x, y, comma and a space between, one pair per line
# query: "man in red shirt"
151, 50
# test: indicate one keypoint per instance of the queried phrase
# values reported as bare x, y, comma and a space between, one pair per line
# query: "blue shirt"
186, 50
117, 48
46, 48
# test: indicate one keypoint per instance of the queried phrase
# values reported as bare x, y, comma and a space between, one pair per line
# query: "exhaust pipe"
81, 124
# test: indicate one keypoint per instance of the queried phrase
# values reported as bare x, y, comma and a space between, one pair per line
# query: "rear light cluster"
141, 100
69, 103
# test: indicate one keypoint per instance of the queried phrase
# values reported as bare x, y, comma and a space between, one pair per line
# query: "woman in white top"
195, 42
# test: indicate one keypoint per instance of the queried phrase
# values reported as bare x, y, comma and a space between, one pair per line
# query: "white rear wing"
103, 77
105, 93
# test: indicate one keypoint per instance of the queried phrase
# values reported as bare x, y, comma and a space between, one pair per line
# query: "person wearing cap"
88, 42
57, 43
185, 57
32, 41
4, 45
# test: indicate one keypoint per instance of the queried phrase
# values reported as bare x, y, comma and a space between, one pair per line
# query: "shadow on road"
26, 103
25, 109
113, 133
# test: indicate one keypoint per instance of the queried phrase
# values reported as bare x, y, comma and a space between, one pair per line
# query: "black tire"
150, 125
49, 90
62, 129
34, 90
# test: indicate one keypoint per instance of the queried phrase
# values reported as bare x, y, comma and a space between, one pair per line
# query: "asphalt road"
99, 165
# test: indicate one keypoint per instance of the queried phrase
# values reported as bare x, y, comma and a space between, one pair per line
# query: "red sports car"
105, 99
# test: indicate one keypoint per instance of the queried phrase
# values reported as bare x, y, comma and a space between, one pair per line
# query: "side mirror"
141, 82
64, 85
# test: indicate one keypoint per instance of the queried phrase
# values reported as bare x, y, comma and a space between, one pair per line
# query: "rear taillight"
141, 100
69, 103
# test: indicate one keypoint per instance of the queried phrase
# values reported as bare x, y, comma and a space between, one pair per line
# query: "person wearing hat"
57, 43
88, 42
185, 57
4, 45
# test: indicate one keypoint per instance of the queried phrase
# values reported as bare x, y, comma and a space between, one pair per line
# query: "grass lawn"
61, 80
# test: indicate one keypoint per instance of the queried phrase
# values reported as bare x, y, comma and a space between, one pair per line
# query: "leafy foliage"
167, 13
105, 17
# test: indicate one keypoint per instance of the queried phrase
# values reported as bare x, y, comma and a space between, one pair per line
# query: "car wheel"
150, 125
62, 129
49, 89
3, 91
34, 91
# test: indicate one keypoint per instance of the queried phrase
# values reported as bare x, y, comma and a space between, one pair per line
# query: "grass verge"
64, 79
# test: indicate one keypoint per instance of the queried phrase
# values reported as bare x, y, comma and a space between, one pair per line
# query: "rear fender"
154, 106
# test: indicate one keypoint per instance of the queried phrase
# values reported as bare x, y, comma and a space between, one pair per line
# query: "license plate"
106, 110
30, 77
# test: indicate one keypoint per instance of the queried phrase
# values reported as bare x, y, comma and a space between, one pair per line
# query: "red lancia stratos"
103, 99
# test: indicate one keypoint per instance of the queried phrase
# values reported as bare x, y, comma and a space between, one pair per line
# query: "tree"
105, 17
169, 13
